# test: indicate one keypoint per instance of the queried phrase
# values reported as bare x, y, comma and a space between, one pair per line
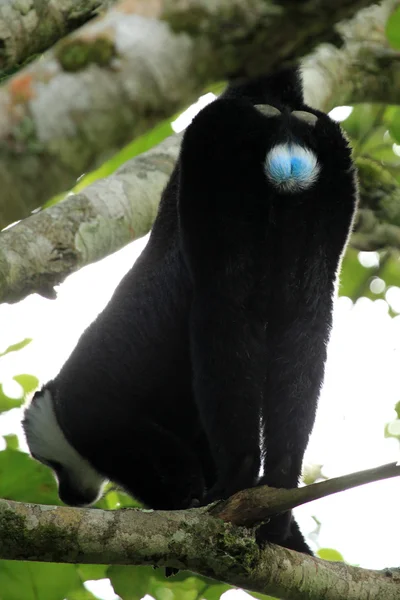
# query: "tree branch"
196, 540
117, 76
364, 69
27, 28
252, 506
39, 252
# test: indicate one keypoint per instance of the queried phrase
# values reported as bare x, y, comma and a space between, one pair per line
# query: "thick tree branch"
364, 69
43, 249
117, 76
192, 539
27, 28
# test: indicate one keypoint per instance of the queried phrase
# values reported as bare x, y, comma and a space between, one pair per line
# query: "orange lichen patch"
21, 89
144, 8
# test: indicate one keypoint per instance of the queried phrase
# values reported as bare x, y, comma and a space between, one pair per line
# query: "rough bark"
203, 540
191, 539
40, 251
31, 26
364, 69
115, 77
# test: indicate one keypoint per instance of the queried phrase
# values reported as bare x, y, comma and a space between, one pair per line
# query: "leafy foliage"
7, 403
392, 429
16, 347
25, 480
374, 131
28, 383
330, 554
393, 29
25, 580
132, 583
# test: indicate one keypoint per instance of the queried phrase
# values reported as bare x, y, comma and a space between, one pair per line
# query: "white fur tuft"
47, 441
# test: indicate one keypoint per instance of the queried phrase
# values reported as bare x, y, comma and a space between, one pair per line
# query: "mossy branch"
119, 75
197, 540
28, 28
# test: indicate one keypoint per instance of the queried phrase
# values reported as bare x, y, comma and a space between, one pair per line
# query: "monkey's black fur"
214, 344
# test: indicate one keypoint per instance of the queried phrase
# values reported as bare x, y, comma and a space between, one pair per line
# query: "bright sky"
361, 387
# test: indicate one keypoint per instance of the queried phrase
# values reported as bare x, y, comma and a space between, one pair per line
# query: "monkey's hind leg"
152, 464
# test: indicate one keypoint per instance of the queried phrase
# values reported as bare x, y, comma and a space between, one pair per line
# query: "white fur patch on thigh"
46, 440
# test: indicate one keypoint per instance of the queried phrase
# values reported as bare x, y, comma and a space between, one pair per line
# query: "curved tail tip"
291, 167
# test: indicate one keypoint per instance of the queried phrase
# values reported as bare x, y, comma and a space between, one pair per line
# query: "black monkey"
206, 365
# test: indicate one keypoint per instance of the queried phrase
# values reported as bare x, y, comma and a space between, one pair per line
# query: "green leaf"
81, 593
353, 277
17, 346
261, 596
29, 383
126, 501
26, 480
392, 429
115, 499
385, 155
312, 473
330, 554
361, 123
12, 441
31, 581
393, 29
131, 583
215, 591
397, 409
7, 403
394, 127
391, 272
185, 586
92, 572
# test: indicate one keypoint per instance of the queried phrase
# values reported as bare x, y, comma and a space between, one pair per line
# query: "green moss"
77, 54
103, 50
19, 542
223, 547
12, 535
241, 551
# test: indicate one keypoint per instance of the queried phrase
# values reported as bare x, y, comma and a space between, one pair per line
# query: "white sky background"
362, 385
